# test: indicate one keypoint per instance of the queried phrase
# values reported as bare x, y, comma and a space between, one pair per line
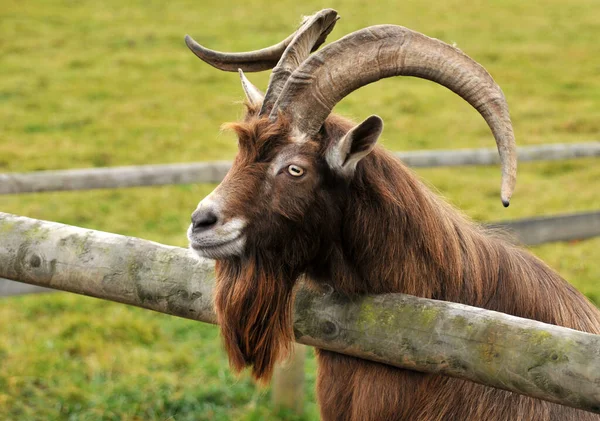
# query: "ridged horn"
382, 51
311, 34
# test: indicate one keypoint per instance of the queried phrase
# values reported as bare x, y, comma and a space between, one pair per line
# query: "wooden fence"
532, 358
529, 231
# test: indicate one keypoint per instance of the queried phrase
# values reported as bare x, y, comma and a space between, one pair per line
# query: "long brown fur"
383, 231
254, 310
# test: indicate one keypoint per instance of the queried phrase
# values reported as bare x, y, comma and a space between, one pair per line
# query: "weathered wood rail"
548, 229
213, 172
529, 231
525, 356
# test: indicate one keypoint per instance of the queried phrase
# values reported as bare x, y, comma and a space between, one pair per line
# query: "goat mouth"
197, 246
223, 249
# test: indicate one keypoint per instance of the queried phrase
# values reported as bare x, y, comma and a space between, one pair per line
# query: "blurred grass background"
90, 84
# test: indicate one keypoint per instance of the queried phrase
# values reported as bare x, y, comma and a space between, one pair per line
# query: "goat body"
310, 194
382, 231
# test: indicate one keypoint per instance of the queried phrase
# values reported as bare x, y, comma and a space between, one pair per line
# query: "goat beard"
254, 309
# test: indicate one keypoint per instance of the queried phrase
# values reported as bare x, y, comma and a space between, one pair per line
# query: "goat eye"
295, 170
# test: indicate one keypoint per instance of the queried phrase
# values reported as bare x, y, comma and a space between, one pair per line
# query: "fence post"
287, 387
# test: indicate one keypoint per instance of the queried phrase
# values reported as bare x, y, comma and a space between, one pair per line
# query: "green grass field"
90, 84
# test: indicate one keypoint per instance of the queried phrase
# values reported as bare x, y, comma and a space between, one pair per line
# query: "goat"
310, 194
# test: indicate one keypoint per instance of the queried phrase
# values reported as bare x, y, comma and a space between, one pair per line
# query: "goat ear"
343, 155
253, 94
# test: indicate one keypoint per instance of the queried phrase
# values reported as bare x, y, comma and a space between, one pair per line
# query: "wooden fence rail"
548, 229
527, 357
213, 172
529, 231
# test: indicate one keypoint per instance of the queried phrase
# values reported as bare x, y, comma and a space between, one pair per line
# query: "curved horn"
251, 61
383, 51
311, 34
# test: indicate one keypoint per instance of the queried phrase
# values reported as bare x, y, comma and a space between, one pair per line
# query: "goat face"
277, 209
282, 195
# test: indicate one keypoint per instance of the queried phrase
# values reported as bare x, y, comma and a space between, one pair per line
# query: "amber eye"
295, 170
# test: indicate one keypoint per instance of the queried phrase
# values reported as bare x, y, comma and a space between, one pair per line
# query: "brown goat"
310, 194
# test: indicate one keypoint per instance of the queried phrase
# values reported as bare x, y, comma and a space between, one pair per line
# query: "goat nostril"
204, 220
